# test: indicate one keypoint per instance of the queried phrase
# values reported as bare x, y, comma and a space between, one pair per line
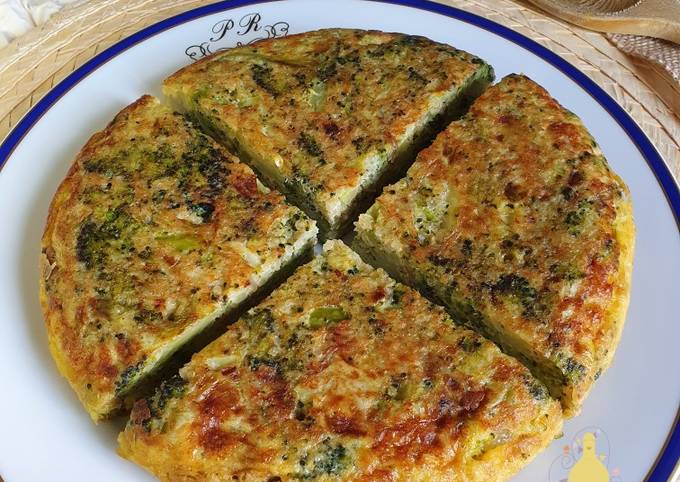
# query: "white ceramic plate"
44, 432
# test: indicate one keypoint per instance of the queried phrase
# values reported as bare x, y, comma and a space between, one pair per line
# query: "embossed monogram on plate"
248, 29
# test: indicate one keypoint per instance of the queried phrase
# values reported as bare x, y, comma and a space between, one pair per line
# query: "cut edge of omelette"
387, 253
481, 455
134, 379
335, 215
104, 407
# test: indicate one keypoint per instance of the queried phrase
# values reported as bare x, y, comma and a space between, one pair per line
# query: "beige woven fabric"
35, 62
663, 52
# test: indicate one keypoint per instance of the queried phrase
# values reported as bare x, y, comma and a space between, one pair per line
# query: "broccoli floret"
88, 245
173, 387
331, 459
309, 144
128, 376
259, 319
203, 210
262, 75
93, 239
521, 290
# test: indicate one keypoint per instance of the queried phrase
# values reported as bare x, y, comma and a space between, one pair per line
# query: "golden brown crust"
144, 244
343, 374
515, 220
324, 112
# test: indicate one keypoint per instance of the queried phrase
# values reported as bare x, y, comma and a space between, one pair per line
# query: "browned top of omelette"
343, 374
154, 229
323, 112
514, 213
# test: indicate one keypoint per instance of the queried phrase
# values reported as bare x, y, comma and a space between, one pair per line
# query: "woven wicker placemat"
34, 63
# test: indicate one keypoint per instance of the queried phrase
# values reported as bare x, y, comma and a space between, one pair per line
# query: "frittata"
155, 232
328, 117
514, 221
343, 374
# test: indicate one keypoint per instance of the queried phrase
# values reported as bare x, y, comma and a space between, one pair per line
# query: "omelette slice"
513, 220
327, 117
154, 233
343, 374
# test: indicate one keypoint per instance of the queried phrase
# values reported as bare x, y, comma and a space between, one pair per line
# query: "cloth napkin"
18, 16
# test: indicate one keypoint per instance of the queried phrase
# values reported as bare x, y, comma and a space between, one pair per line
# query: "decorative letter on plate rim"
229, 33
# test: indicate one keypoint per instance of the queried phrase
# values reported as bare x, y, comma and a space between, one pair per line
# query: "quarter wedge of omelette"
343, 374
515, 222
327, 117
155, 232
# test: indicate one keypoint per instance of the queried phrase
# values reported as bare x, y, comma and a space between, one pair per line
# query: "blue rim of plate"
665, 463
